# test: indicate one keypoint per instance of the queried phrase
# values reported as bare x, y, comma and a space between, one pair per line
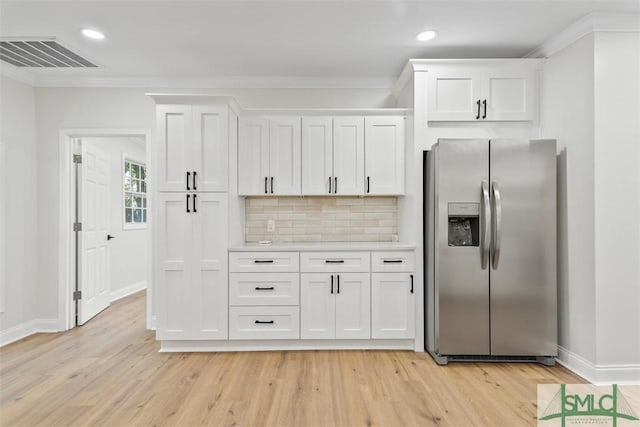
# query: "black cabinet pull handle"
367, 184
271, 185
334, 261
478, 115
329, 185
109, 237
338, 280
332, 283
263, 261
265, 185
264, 322
411, 275
188, 196
270, 288
484, 103
335, 185
188, 176
194, 180
194, 202
392, 261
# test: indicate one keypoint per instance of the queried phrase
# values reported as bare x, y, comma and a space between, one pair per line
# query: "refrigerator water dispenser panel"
464, 224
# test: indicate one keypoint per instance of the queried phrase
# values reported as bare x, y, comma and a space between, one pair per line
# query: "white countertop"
324, 246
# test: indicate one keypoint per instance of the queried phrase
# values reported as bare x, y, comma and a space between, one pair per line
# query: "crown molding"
597, 21
214, 83
18, 74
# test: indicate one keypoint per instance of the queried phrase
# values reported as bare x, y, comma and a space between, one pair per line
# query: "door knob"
109, 237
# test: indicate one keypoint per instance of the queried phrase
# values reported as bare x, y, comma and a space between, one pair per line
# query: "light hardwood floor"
109, 372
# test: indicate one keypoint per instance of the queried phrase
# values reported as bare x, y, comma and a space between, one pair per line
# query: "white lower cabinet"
191, 262
335, 306
392, 305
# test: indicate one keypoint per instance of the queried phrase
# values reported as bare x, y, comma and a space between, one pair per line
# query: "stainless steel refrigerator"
490, 249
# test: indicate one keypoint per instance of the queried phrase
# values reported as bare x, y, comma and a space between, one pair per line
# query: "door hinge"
77, 226
77, 158
77, 295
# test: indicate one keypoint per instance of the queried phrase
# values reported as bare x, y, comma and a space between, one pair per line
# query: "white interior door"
93, 250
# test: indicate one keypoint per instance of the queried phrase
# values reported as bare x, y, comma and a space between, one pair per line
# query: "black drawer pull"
265, 322
392, 261
334, 261
263, 261
411, 275
270, 288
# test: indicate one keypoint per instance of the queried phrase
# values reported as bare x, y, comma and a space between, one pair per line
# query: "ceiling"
332, 40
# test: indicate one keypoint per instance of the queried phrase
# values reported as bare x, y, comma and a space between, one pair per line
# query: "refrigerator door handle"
486, 237
497, 219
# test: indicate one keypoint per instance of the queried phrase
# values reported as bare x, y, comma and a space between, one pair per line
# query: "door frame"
66, 241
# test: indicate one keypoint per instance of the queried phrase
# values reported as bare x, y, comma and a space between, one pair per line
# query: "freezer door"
461, 283
523, 257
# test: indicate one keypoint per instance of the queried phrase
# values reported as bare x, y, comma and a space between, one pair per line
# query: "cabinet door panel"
510, 94
173, 263
284, 156
317, 155
174, 147
317, 307
253, 155
453, 95
348, 155
384, 155
210, 266
353, 306
392, 306
210, 158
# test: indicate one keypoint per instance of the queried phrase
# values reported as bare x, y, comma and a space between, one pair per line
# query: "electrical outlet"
271, 226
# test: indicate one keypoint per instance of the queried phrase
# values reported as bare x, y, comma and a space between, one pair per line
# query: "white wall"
18, 135
617, 198
591, 105
128, 260
567, 115
131, 109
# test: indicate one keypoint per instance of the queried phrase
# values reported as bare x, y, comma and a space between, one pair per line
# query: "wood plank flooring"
109, 372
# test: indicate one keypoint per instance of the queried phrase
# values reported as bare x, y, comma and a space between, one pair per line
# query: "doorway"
105, 221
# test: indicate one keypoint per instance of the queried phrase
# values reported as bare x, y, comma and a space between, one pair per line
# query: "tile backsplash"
321, 219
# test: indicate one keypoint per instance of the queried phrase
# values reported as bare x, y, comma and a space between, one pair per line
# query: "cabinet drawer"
256, 323
264, 289
392, 261
264, 262
335, 262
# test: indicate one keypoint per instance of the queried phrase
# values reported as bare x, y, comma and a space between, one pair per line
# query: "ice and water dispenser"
464, 224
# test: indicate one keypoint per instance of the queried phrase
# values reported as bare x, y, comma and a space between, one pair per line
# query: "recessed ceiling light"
426, 35
92, 34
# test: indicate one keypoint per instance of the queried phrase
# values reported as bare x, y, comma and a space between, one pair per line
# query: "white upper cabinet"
481, 93
253, 155
333, 155
348, 156
317, 155
269, 156
192, 152
284, 156
384, 155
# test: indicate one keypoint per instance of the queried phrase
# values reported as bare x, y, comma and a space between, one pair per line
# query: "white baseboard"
169, 346
25, 329
128, 290
598, 374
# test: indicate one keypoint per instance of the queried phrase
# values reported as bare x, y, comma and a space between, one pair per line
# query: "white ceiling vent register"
38, 53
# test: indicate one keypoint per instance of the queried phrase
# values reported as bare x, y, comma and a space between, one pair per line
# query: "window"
135, 194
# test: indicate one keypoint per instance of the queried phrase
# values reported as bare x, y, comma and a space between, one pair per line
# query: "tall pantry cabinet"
191, 234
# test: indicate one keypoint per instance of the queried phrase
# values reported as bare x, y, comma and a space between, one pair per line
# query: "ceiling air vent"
40, 54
